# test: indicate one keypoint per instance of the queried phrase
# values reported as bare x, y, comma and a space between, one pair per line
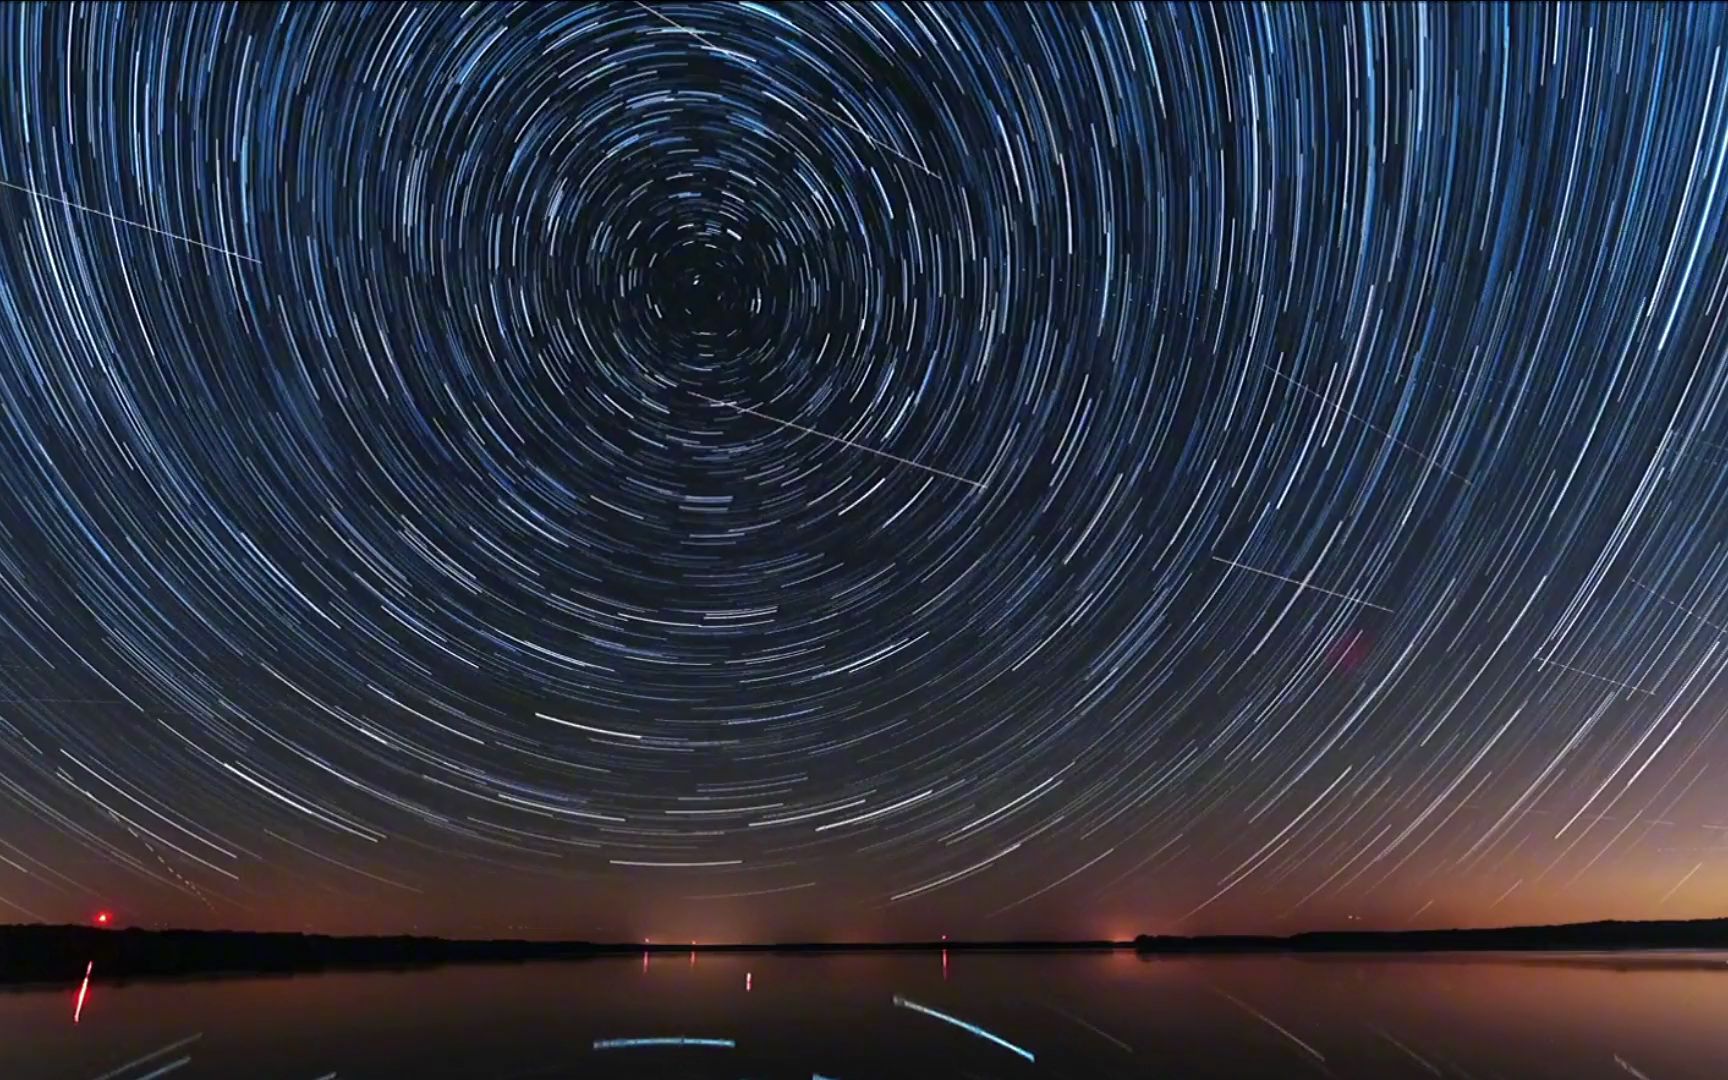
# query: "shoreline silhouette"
1607, 935
38, 953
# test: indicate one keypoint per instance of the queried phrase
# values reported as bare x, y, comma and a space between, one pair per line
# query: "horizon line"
906, 943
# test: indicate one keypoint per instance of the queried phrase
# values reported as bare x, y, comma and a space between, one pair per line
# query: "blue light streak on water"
637, 1044
963, 1025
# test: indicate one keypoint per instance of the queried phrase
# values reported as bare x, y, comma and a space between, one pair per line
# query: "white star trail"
885, 464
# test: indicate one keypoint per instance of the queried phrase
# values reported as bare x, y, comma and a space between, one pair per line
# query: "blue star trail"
729, 470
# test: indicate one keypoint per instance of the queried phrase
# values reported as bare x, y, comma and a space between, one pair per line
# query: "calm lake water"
1093, 1016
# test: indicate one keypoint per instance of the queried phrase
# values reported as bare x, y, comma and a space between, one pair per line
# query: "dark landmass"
925, 946
1581, 937
37, 953
40, 953
59, 954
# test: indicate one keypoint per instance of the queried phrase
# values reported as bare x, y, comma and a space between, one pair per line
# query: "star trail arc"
730, 469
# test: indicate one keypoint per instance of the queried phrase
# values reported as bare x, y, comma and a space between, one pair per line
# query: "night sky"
727, 471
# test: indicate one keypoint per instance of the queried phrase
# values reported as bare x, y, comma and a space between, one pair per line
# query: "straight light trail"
1370, 425
906, 1003
1427, 1065
1089, 1026
980, 485
1542, 663
381, 879
1509, 891
1630, 1069
754, 892
1269, 1022
1299, 583
1064, 878
1669, 895
128, 221
836, 117
1682, 607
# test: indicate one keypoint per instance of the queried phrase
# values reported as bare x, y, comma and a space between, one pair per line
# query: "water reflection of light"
963, 1025
662, 1040
142, 1060
83, 989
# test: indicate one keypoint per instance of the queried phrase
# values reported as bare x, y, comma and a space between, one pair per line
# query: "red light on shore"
103, 918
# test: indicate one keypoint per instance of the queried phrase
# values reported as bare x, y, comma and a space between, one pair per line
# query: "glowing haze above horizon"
732, 472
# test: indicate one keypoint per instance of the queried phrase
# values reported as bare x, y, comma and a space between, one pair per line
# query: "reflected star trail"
719, 471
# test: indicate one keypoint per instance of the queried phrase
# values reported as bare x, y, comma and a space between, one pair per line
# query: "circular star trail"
737, 469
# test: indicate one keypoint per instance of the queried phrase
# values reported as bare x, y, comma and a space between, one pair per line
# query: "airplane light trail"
128, 221
1300, 583
980, 485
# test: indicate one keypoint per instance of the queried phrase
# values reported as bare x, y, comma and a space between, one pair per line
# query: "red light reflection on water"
83, 991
